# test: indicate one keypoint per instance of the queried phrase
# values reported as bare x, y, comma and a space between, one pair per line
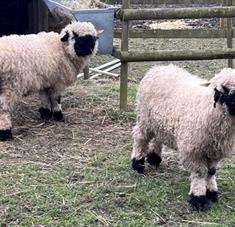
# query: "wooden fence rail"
126, 14
176, 33
156, 2
174, 55
182, 13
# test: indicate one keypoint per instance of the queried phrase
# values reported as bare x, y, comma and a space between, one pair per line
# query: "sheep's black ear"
226, 90
75, 34
217, 96
95, 38
65, 37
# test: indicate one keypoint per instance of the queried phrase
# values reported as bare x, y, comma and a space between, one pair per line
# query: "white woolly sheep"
174, 109
45, 63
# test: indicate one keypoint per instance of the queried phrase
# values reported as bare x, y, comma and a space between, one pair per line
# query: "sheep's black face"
84, 45
227, 97
229, 100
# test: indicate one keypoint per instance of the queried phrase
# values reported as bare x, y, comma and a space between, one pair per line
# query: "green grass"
107, 193
78, 173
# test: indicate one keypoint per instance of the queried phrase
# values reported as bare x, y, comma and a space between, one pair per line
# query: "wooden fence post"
229, 33
86, 73
124, 66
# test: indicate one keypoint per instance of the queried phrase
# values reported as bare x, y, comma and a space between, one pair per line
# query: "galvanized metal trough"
101, 18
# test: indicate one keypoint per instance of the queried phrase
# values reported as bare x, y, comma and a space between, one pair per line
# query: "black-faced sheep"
45, 63
174, 109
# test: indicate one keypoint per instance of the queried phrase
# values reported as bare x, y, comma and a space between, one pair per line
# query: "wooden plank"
30, 17
13, 17
9, 21
43, 16
229, 34
39, 17
176, 33
173, 55
179, 13
124, 66
86, 73
34, 15
156, 2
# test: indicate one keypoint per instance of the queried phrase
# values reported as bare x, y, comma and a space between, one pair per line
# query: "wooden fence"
157, 2
227, 10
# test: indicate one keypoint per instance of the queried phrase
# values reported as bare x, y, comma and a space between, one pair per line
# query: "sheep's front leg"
140, 148
45, 109
198, 191
51, 105
56, 106
154, 153
212, 189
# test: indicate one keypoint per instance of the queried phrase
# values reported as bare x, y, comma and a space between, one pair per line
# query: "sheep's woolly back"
36, 53
173, 106
30, 63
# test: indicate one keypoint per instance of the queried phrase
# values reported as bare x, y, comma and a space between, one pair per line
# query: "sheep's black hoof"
58, 116
45, 113
154, 159
198, 202
212, 171
212, 196
138, 165
5, 135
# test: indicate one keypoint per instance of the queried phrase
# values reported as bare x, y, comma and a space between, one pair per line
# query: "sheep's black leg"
56, 106
45, 109
5, 126
5, 134
198, 189
9, 96
198, 202
154, 159
138, 165
58, 116
140, 148
212, 189
45, 113
154, 153
212, 196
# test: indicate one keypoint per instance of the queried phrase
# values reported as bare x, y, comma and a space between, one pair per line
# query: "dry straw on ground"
87, 126
85, 4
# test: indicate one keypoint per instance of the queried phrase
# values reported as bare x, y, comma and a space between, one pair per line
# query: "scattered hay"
85, 4
177, 24
88, 128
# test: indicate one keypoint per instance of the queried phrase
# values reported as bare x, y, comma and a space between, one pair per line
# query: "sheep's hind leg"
198, 191
212, 189
8, 98
5, 126
140, 148
45, 109
154, 153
